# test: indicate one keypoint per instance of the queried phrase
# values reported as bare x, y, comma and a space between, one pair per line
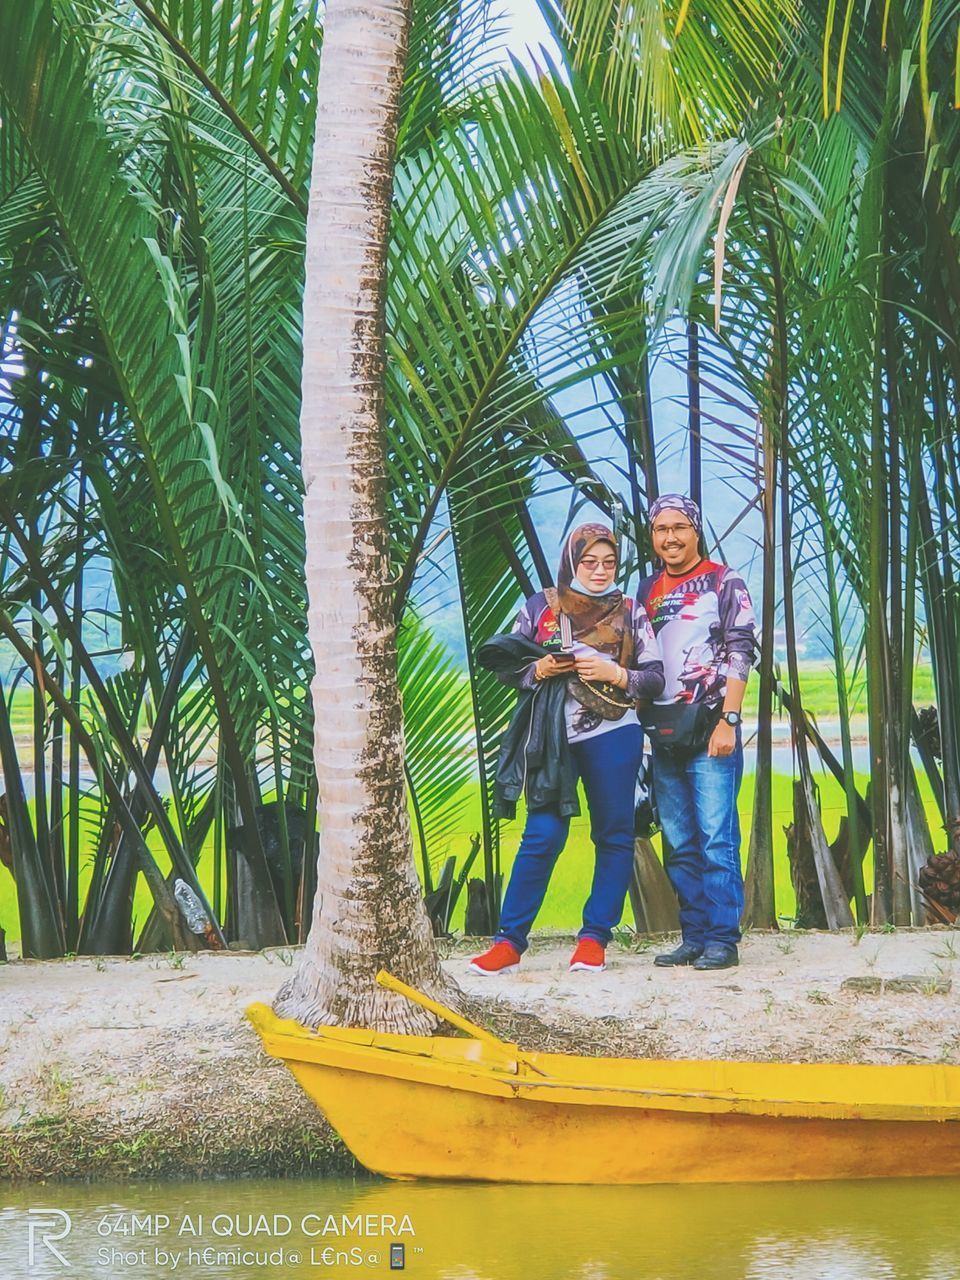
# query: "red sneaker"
590, 956
503, 957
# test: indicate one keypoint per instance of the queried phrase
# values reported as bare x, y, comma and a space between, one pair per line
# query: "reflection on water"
290, 1230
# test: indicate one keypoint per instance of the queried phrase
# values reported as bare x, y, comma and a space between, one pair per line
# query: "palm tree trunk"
835, 901
72, 897
646, 435
41, 928
760, 910
694, 420
368, 912
877, 666
854, 824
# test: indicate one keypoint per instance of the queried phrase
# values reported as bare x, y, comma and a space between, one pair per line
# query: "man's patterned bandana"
677, 502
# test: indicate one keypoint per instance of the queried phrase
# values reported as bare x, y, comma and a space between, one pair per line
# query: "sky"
526, 27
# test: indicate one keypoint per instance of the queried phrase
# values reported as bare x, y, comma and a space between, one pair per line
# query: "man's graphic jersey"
706, 629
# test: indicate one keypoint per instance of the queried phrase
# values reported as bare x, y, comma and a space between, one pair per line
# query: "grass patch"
175, 1145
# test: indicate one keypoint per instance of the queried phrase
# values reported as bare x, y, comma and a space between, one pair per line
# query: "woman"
581, 655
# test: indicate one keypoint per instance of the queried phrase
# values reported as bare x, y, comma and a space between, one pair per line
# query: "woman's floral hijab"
598, 621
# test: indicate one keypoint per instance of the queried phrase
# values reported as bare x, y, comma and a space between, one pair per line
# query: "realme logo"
44, 1226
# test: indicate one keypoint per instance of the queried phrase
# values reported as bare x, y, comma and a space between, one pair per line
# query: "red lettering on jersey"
666, 586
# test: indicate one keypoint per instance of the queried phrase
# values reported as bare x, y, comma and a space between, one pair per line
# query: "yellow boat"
443, 1107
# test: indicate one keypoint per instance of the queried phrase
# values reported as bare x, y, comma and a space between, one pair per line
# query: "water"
889, 1230
782, 758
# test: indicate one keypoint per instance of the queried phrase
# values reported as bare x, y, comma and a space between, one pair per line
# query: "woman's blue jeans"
608, 767
697, 801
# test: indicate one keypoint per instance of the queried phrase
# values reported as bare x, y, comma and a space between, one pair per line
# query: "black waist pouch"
680, 729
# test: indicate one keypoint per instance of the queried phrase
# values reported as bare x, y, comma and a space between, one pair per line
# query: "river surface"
290, 1230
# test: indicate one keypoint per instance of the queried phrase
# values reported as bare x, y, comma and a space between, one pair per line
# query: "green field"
817, 682
818, 690
571, 880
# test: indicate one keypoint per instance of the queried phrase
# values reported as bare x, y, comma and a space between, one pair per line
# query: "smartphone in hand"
566, 657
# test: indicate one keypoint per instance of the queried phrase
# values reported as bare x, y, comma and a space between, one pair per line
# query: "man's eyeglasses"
590, 563
679, 530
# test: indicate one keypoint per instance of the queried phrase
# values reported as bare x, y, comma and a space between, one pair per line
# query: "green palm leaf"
167, 373
437, 722
675, 74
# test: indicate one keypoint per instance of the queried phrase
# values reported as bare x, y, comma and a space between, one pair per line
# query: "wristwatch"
732, 717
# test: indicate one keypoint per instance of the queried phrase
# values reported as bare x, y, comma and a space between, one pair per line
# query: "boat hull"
424, 1114
406, 1130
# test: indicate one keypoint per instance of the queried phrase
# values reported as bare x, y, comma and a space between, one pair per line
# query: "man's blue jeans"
697, 800
608, 766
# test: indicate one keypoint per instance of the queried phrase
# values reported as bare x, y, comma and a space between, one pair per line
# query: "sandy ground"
120, 1067
786, 1002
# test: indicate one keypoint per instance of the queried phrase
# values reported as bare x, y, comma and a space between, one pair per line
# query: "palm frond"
673, 74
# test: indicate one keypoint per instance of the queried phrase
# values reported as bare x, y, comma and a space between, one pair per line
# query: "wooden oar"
509, 1052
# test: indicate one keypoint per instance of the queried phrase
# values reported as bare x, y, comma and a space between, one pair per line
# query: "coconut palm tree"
368, 910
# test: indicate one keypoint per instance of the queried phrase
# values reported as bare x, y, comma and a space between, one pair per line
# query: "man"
705, 626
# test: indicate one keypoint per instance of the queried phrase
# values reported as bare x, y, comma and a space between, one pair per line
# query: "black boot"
686, 953
717, 955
